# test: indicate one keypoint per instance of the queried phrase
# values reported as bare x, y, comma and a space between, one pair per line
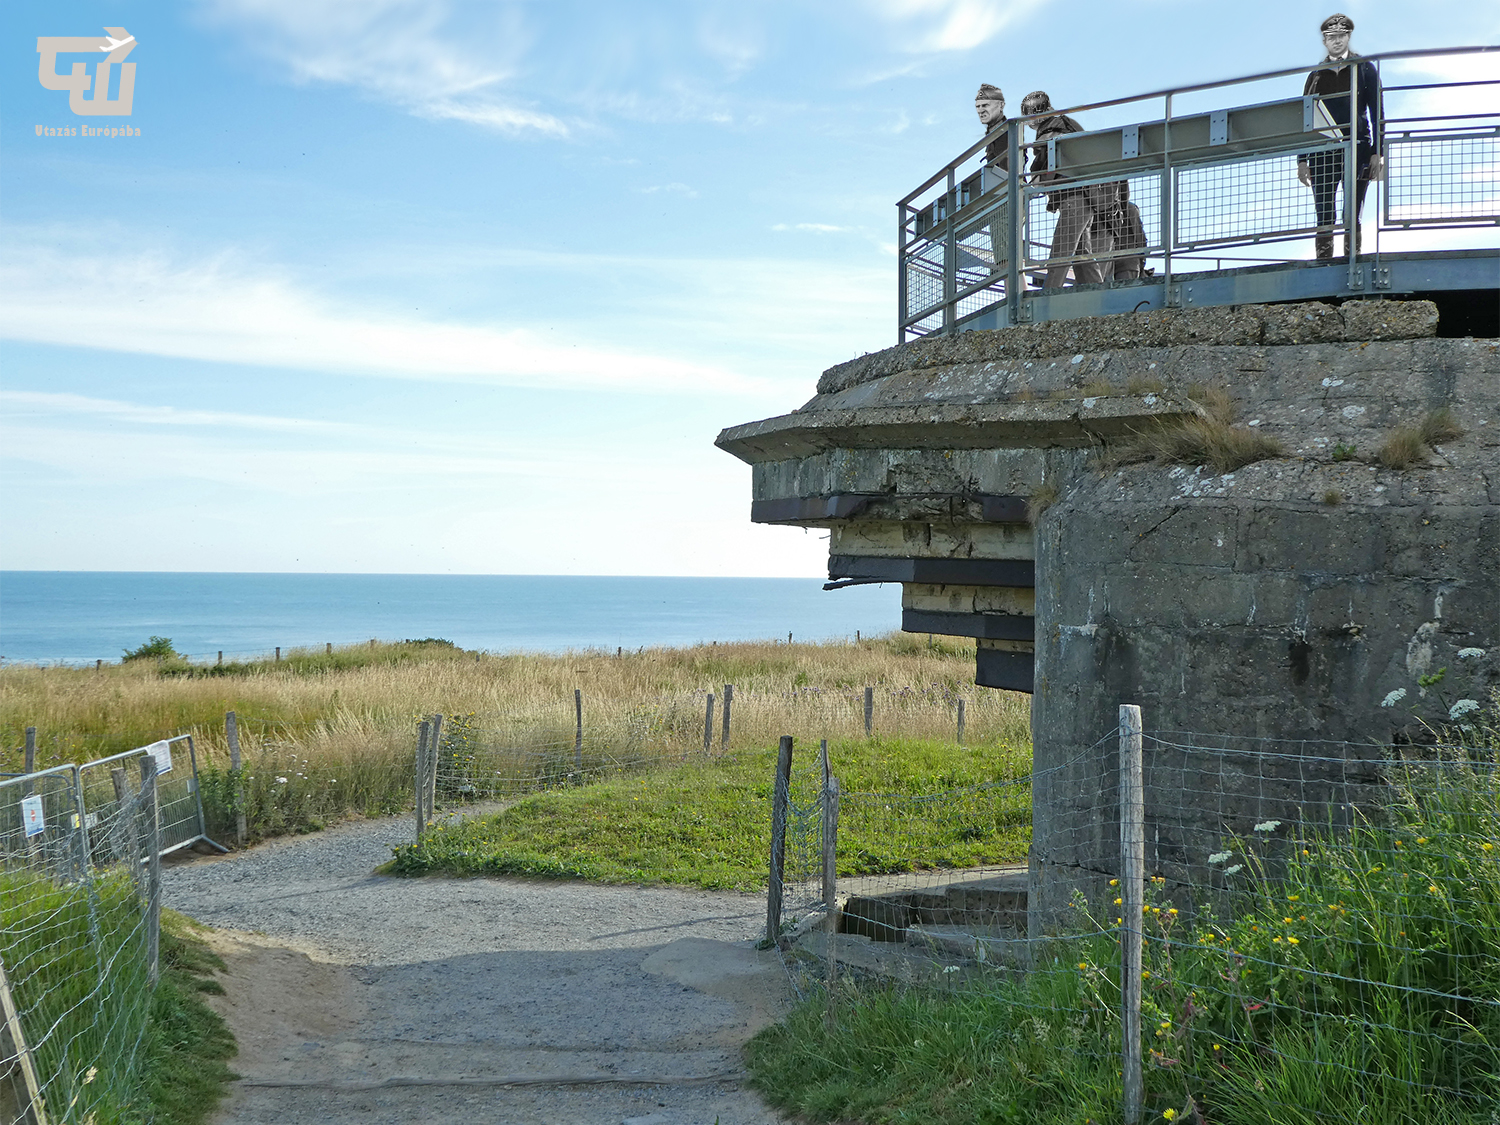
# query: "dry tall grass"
325, 737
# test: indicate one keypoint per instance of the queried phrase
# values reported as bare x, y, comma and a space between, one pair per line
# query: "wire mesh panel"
1442, 179
176, 785
74, 942
1254, 198
1321, 927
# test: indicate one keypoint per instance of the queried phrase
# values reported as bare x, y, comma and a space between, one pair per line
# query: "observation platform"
1219, 215
985, 471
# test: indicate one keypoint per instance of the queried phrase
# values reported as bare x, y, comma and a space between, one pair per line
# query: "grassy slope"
708, 823
326, 736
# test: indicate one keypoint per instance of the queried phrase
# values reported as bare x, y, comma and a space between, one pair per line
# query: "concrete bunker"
997, 476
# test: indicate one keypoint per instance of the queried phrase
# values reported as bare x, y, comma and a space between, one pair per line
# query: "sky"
428, 286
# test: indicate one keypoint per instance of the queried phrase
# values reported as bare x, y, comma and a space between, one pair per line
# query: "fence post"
830, 831
328, 648
278, 654
1133, 899
708, 726
232, 733
20, 1094
150, 815
418, 775
28, 788
869, 711
780, 797
960, 738
578, 734
434, 741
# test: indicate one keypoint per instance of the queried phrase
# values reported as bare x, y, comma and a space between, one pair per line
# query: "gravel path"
357, 996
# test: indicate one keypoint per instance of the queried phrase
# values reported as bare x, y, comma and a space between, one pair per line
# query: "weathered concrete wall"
1282, 601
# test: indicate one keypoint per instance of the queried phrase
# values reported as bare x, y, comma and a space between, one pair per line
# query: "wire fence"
80, 902
1258, 930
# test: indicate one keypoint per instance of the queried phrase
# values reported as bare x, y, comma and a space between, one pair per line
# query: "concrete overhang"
1072, 422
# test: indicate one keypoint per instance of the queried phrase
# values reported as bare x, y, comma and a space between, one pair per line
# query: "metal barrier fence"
79, 926
1262, 930
1152, 205
105, 786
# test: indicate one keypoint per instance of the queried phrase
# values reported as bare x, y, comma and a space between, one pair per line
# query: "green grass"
707, 824
1354, 977
106, 1048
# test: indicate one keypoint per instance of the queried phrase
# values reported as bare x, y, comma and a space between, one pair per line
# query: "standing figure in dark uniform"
1324, 171
1075, 211
989, 104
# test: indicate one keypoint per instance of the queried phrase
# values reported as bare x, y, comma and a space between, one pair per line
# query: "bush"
157, 648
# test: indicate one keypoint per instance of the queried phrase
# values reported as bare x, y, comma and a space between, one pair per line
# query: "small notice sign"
162, 752
32, 816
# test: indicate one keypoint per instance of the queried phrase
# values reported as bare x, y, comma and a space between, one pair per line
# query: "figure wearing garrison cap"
989, 104
1075, 211
1324, 171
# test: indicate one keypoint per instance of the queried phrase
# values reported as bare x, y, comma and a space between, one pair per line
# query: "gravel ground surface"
358, 996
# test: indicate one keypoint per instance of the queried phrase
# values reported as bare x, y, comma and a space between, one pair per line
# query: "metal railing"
1175, 196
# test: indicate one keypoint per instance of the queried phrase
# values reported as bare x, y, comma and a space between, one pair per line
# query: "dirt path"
479, 1000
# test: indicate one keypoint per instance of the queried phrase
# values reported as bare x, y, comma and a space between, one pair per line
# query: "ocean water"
80, 616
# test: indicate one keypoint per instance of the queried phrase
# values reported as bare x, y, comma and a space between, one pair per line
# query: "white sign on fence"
32, 816
162, 752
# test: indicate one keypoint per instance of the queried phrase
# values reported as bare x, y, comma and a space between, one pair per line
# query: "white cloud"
223, 311
20, 403
952, 25
405, 52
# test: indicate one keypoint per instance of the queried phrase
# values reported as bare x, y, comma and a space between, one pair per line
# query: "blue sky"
421, 286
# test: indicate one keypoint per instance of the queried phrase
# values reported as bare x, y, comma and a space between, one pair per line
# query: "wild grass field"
329, 735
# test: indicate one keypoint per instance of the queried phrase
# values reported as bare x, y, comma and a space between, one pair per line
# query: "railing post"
901, 273
1133, 901
728, 699
434, 741
1351, 180
578, 736
1168, 207
950, 259
708, 726
1016, 251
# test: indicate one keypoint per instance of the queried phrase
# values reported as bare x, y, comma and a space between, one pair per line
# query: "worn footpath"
358, 996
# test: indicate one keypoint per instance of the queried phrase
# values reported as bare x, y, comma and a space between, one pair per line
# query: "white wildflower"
1219, 857
281, 781
1470, 653
1393, 698
1462, 708
1268, 826
1235, 870
950, 969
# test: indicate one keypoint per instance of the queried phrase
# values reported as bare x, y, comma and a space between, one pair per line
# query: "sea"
78, 617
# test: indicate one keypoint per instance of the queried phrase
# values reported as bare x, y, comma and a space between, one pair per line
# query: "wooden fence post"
960, 722
151, 821
434, 743
232, 733
869, 711
20, 1095
278, 654
221, 656
728, 699
328, 648
780, 797
1133, 899
30, 765
578, 735
419, 777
